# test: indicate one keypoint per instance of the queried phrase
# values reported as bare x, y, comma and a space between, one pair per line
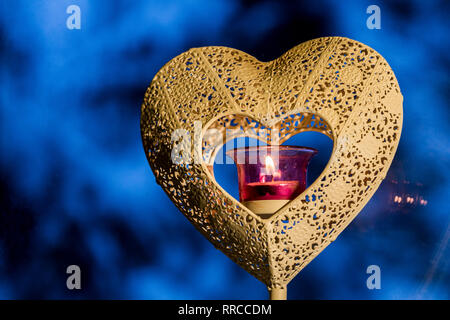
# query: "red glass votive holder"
270, 176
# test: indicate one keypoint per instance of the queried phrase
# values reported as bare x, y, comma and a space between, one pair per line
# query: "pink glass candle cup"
270, 176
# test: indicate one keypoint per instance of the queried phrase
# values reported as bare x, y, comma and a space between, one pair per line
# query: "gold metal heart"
333, 85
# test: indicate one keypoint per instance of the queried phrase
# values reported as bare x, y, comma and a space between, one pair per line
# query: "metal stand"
278, 293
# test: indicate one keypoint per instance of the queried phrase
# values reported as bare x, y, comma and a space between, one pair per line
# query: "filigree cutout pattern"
336, 86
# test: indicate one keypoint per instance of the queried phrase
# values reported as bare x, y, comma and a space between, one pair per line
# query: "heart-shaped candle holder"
336, 86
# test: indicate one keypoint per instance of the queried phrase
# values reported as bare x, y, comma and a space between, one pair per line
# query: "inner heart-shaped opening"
226, 173
267, 177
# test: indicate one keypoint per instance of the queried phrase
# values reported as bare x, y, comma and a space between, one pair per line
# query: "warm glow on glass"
271, 172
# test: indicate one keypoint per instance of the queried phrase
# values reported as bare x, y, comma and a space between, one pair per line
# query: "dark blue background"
75, 186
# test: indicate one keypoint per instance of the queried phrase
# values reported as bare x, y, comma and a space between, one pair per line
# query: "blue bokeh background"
75, 186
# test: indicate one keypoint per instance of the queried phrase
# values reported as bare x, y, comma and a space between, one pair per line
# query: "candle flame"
270, 166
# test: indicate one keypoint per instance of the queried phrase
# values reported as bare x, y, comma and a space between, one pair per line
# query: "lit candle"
266, 186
